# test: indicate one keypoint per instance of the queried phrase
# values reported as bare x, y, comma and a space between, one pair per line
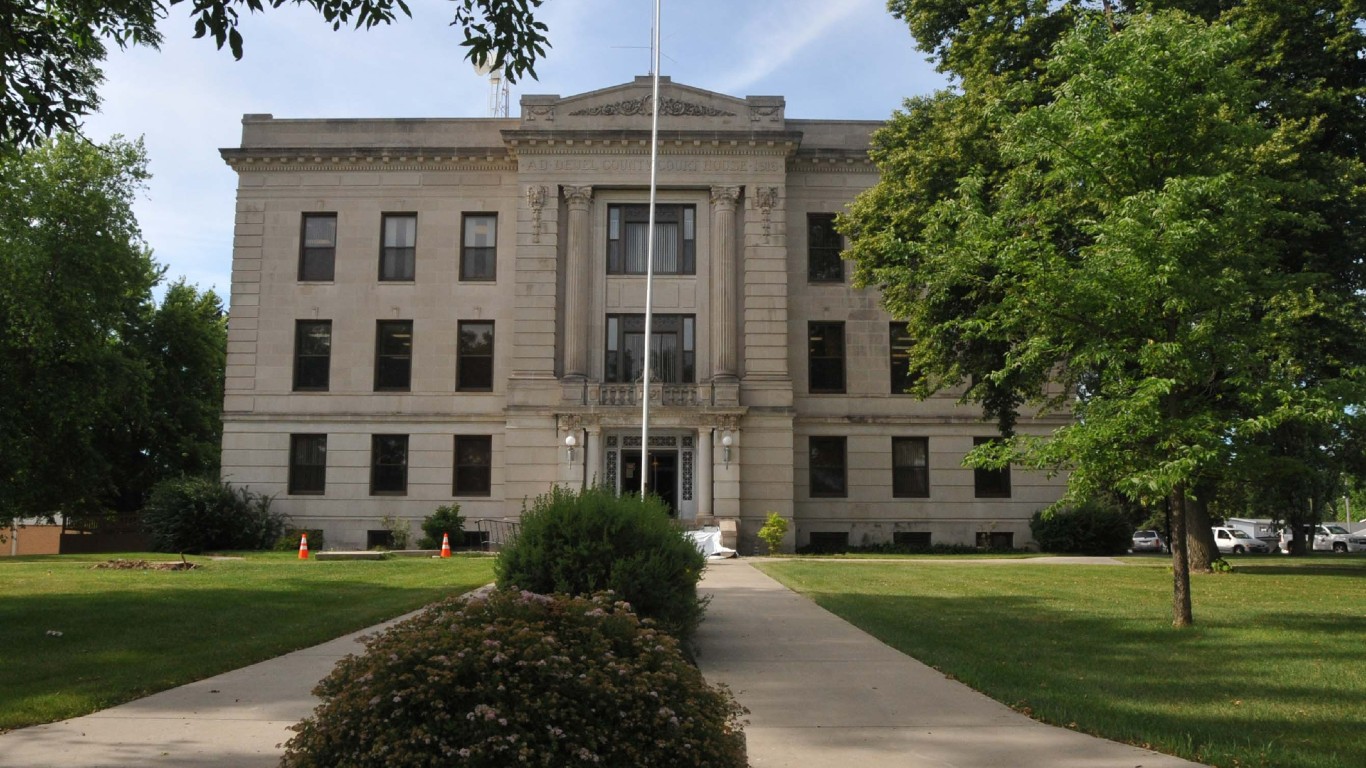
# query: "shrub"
1088, 529
519, 679
289, 540
446, 519
773, 531
579, 543
194, 514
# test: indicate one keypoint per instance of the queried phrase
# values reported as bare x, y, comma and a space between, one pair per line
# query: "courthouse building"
430, 311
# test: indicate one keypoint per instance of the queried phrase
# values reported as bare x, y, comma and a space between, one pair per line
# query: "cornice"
363, 159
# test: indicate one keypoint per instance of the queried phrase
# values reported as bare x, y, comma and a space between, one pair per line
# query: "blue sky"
829, 58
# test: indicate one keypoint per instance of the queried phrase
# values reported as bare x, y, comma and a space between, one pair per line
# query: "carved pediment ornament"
771, 114
641, 106
541, 112
766, 198
535, 198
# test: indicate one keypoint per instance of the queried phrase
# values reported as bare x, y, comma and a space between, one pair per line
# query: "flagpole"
650, 256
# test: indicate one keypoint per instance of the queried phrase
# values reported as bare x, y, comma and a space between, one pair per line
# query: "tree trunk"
1200, 547
1181, 578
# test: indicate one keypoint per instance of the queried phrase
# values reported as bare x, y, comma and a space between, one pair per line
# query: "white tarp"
709, 541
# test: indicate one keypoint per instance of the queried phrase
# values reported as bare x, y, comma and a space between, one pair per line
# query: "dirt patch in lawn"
144, 565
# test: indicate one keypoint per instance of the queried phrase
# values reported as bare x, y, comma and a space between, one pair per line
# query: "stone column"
577, 282
704, 471
724, 346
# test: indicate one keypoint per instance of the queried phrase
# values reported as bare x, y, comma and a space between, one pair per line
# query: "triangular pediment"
630, 106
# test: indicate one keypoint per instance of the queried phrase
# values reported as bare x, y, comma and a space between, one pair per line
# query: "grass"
1272, 674
128, 633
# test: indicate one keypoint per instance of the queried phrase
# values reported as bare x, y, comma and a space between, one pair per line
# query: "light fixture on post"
726, 441
569, 443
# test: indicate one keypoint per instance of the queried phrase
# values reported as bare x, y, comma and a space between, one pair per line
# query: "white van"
1236, 541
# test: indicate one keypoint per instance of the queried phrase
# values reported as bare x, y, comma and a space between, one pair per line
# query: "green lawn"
1273, 673
125, 634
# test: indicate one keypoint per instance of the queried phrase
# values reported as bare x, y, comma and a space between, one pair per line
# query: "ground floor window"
307, 464
388, 465
990, 483
828, 469
910, 467
473, 465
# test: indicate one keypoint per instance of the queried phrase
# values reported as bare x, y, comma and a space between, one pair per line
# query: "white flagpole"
650, 257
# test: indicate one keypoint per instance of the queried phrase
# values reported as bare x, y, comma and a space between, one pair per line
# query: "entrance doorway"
661, 476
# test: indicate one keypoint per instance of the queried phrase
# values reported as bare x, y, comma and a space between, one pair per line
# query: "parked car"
1327, 537
1234, 541
1148, 541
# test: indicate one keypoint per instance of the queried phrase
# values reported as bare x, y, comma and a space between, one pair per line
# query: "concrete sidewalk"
820, 693
824, 694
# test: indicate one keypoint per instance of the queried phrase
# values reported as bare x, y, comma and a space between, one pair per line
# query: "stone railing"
665, 395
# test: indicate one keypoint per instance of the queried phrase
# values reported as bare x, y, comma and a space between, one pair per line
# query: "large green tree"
51, 50
1112, 215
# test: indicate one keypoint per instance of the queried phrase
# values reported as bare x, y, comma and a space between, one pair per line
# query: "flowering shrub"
580, 543
517, 678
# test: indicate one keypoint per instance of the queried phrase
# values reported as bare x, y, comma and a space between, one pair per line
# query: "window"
823, 246
673, 348
991, 483
474, 356
398, 251
828, 467
388, 465
307, 464
995, 540
473, 465
318, 246
312, 355
675, 239
827, 541
825, 345
479, 247
902, 377
393, 355
910, 467
911, 539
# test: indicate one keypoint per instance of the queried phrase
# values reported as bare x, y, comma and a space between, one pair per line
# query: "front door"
661, 476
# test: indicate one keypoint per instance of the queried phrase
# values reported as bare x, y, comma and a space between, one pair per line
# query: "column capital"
578, 197
724, 197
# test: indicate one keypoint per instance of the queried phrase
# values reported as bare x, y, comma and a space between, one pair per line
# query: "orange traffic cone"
303, 546
445, 545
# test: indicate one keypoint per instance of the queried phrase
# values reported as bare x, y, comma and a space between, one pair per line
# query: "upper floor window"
318, 246
398, 251
474, 356
902, 376
479, 247
393, 355
388, 464
673, 348
990, 483
307, 464
312, 355
823, 246
825, 358
910, 467
675, 239
473, 465
828, 467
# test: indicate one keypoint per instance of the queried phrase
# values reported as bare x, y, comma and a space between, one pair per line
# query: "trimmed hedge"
197, 514
517, 678
1089, 529
581, 543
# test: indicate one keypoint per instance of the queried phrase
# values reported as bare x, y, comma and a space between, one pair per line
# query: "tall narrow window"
474, 356
312, 355
828, 475
318, 246
902, 376
825, 347
673, 349
388, 465
393, 355
398, 250
910, 467
990, 483
479, 247
823, 246
307, 464
675, 239
473, 465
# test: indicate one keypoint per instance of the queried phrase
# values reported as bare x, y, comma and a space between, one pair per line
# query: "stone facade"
424, 310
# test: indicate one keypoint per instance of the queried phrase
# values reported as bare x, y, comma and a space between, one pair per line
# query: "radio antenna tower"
498, 88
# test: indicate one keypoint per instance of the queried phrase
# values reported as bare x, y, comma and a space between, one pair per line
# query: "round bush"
516, 678
580, 543
1089, 529
195, 514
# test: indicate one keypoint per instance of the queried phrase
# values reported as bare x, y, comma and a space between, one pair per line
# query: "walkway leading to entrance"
822, 693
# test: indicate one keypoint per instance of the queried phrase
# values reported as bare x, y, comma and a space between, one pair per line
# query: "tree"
1120, 227
77, 277
50, 51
